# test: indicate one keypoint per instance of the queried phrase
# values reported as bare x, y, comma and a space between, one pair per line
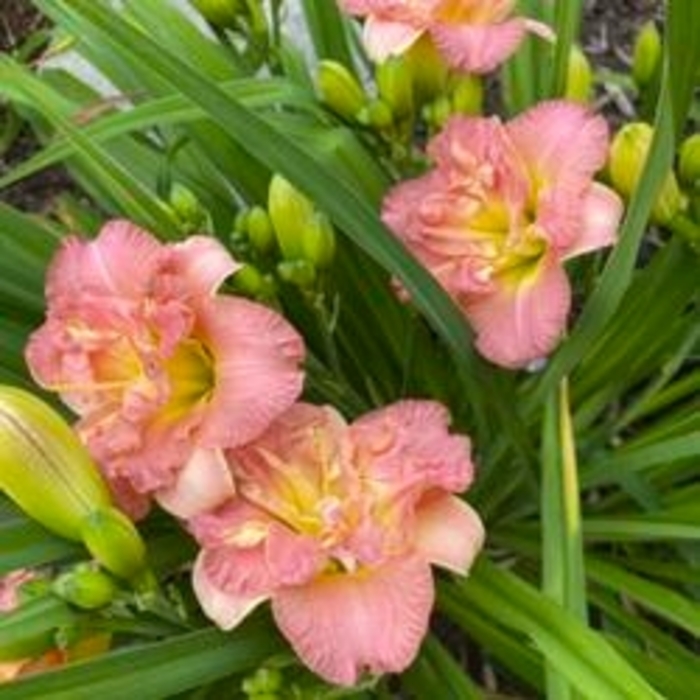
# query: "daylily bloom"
472, 35
505, 206
158, 366
338, 525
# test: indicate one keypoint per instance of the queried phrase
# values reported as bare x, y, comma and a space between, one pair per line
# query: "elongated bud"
628, 154
44, 467
428, 70
438, 112
221, 13
394, 86
191, 215
260, 231
339, 89
579, 77
467, 94
115, 543
646, 54
318, 241
300, 273
376, 114
85, 587
689, 162
290, 211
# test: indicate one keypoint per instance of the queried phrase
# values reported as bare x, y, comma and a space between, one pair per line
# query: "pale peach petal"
478, 48
385, 38
525, 317
204, 262
204, 483
562, 143
225, 609
449, 532
11, 669
341, 625
601, 216
257, 366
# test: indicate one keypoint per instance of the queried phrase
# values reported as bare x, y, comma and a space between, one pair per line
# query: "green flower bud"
115, 543
300, 273
221, 13
290, 211
646, 55
579, 77
394, 86
628, 154
44, 467
318, 239
251, 282
689, 161
376, 114
428, 70
438, 112
467, 94
85, 587
339, 89
260, 231
191, 215
263, 681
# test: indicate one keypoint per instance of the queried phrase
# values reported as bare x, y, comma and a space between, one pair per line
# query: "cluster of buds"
188, 212
291, 234
48, 473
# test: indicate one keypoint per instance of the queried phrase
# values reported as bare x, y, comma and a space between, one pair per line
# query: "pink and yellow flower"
338, 525
156, 364
505, 206
472, 35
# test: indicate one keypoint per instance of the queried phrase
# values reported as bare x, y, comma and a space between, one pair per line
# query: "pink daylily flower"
472, 35
505, 206
156, 364
338, 525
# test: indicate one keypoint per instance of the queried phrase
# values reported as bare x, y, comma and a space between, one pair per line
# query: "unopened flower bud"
250, 281
115, 543
689, 162
265, 680
467, 94
376, 114
394, 86
290, 211
300, 273
260, 231
44, 467
628, 154
85, 587
579, 76
646, 54
191, 215
438, 112
319, 241
340, 90
428, 69
221, 13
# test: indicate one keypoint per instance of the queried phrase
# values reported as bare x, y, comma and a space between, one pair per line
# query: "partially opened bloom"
505, 206
155, 363
338, 525
472, 35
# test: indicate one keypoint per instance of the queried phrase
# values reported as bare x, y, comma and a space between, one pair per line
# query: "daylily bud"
220, 13
85, 587
428, 70
646, 54
467, 94
115, 542
290, 211
376, 114
628, 154
579, 77
300, 273
394, 86
264, 680
438, 112
260, 231
190, 214
318, 239
44, 467
248, 280
689, 161
339, 89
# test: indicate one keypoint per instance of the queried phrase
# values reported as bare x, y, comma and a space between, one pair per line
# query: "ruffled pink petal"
562, 143
341, 625
204, 263
225, 609
602, 211
204, 483
524, 318
119, 262
385, 38
449, 533
478, 48
257, 364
